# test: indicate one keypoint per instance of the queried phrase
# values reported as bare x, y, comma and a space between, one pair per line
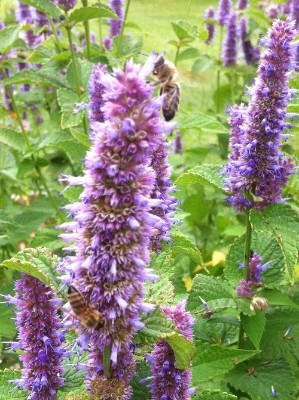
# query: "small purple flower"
272, 11
170, 382
294, 11
251, 54
96, 90
230, 41
39, 338
66, 4
210, 14
257, 175
242, 4
115, 25
114, 223
24, 14
245, 288
178, 145
224, 11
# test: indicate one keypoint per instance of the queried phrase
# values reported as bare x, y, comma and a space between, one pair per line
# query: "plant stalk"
123, 28
247, 245
54, 31
87, 32
107, 361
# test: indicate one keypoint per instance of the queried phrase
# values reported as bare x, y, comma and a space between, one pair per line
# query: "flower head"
96, 90
39, 338
210, 14
24, 13
242, 4
258, 170
66, 4
294, 11
170, 382
115, 25
224, 11
230, 41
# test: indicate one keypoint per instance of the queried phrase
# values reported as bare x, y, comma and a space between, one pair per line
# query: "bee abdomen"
171, 100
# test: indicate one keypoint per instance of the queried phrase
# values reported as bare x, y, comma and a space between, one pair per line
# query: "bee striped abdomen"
171, 100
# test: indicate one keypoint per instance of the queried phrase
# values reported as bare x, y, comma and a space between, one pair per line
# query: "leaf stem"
107, 362
218, 71
69, 35
247, 245
54, 31
123, 28
87, 32
177, 54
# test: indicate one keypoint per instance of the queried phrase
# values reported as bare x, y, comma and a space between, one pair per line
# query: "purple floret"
224, 11
229, 55
115, 25
210, 14
251, 53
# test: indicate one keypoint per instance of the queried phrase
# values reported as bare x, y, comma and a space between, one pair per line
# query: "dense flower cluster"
39, 338
66, 4
168, 381
242, 4
246, 288
113, 225
96, 90
256, 176
210, 14
229, 55
224, 11
115, 25
251, 53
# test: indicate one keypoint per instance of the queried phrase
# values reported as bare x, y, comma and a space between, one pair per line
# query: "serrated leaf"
87, 13
70, 117
213, 360
277, 374
140, 391
46, 6
41, 77
191, 52
9, 390
181, 32
213, 395
183, 349
282, 221
12, 139
203, 122
278, 298
264, 244
202, 63
259, 16
7, 36
157, 326
7, 326
73, 378
39, 263
182, 245
203, 175
254, 327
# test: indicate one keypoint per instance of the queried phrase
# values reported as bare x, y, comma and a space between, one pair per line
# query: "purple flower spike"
224, 11
115, 25
170, 382
251, 54
66, 4
272, 11
245, 288
114, 223
24, 14
40, 338
96, 94
242, 4
178, 144
230, 41
258, 170
210, 14
294, 11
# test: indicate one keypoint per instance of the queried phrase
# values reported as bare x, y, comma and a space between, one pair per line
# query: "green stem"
188, 12
247, 246
218, 71
77, 80
177, 54
123, 28
24, 133
107, 362
87, 33
54, 31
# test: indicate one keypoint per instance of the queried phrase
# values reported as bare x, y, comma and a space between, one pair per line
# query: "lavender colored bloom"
245, 288
66, 4
178, 145
24, 14
96, 90
113, 225
272, 11
230, 41
242, 4
286, 7
294, 11
115, 25
224, 11
251, 54
2, 25
257, 176
170, 382
39, 338
210, 14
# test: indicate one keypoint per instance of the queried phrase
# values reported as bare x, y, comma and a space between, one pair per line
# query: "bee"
86, 314
165, 73
259, 304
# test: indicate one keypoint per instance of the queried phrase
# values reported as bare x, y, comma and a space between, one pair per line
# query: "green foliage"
7, 36
213, 395
46, 6
183, 350
254, 327
7, 389
204, 175
11, 138
87, 13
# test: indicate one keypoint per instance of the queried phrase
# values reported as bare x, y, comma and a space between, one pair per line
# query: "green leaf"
130, 46
41, 77
277, 298
70, 116
140, 391
73, 378
87, 13
8, 390
191, 52
264, 244
282, 221
182, 245
259, 16
254, 327
157, 326
12, 138
39, 263
181, 32
7, 36
213, 395
7, 325
277, 374
204, 175
213, 360
183, 350
46, 6
202, 64
203, 122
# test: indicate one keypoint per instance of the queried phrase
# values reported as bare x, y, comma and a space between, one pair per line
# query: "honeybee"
86, 314
259, 304
165, 73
